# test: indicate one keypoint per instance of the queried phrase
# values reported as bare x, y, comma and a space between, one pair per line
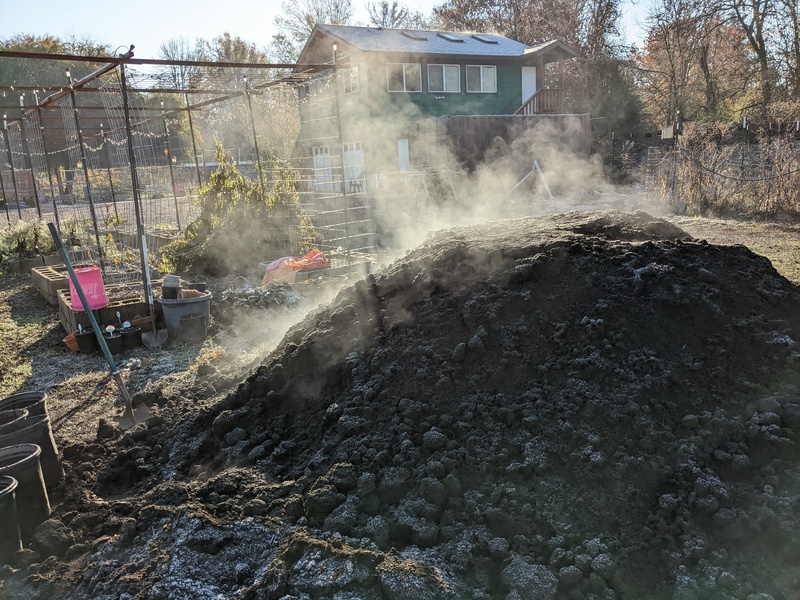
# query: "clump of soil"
589, 405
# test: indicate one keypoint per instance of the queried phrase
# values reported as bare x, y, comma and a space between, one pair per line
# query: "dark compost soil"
587, 405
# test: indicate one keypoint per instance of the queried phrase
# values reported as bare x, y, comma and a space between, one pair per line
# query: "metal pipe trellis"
108, 172
255, 137
5, 197
144, 142
26, 152
85, 164
13, 171
47, 164
341, 153
194, 143
168, 152
135, 182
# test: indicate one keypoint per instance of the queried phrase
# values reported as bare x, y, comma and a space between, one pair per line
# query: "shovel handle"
98, 334
56, 237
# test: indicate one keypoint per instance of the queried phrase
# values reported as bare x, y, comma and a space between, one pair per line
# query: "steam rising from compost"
439, 190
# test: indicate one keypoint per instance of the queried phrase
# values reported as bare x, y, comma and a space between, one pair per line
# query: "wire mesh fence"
130, 154
747, 178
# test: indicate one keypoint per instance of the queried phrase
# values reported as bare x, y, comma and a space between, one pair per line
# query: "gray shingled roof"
373, 39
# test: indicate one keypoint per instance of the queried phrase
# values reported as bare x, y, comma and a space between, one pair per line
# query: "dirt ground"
589, 405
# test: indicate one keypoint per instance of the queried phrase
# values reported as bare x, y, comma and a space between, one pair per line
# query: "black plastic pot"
114, 342
35, 402
193, 327
11, 418
37, 430
131, 337
22, 463
87, 342
10, 539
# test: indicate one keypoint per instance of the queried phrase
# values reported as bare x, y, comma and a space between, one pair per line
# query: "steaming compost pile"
588, 405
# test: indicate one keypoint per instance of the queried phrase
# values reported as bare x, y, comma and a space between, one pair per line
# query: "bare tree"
787, 44
671, 59
282, 50
299, 18
599, 23
753, 17
694, 66
521, 20
383, 14
586, 24
182, 49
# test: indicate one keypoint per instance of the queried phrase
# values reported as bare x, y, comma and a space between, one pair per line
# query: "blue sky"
148, 23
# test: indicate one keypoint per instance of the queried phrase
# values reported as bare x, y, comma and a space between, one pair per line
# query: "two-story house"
386, 79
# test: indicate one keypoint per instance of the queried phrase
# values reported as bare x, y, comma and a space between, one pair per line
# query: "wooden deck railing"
543, 101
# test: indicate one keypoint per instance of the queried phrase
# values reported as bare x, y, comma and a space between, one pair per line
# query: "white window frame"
354, 173
443, 68
324, 179
481, 68
403, 67
351, 80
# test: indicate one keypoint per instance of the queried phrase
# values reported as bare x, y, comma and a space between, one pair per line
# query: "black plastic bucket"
10, 419
22, 463
114, 342
87, 342
131, 337
35, 402
37, 430
193, 327
10, 539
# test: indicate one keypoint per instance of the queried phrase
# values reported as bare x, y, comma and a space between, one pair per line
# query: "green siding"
419, 105
378, 118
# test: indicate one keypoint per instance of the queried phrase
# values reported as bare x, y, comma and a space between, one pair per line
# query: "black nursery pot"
131, 337
87, 342
114, 342
35, 402
10, 541
21, 462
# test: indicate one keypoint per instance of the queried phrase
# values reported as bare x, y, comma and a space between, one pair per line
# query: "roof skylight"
483, 38
450, 37
413, 35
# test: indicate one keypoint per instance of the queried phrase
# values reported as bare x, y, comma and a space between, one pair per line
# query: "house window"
481, 78
323, 169
404, 77
444, 78
354, 170
351, 80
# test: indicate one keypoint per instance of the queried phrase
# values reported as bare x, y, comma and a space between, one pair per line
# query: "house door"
402, 154
528, 83
354, 172
323, 169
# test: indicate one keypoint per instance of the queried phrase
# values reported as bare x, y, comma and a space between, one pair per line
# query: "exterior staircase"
543, 102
